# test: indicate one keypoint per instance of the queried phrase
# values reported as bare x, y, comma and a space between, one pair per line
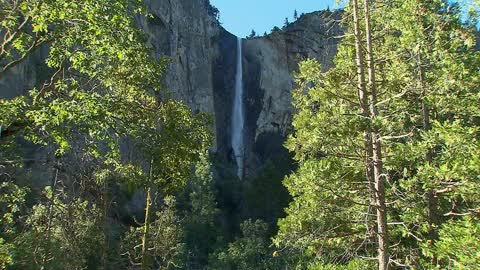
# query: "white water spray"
237, 116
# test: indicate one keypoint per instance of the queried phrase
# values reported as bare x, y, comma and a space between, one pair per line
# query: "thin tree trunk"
362, 92
49, 220
363, 97
146, 225
383, 258
432, 200
105, 225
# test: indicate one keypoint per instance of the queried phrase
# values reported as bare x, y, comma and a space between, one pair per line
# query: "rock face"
202, 70
271, 62
188, 34
25, 76
203, 62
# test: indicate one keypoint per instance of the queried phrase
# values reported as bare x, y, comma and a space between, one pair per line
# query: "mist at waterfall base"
238, 115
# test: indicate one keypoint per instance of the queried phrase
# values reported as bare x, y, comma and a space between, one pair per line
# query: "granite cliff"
203, 62
271, 62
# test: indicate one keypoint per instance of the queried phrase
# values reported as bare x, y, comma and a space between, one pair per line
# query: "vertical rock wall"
270, 64
202, 70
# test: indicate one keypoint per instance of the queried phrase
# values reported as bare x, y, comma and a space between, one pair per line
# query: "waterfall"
237, 115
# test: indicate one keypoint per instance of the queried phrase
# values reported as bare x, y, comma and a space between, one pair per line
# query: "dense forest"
384, 148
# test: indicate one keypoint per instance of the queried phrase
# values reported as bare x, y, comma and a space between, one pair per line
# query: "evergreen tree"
426, 136
212, 10
253, 34
458, 244
251, 251
275, 29
201, 226
343, 157
430, 182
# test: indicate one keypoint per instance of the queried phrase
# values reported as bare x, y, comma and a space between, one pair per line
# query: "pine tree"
250, 251
377, 158
275, 29
252, 35
435, 37
200, 224
411, 147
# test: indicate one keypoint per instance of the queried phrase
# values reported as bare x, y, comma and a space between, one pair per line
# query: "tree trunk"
105, 225
382, 231
146, 225
432, 200
363, 98
362, 92
49, 220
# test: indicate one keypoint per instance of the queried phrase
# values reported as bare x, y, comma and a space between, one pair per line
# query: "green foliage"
99, 72
201, 228
275, 29
352, 265
431, 163
228, 197
286, 23
5, 256
212, 10
59, 235
173, 142
441, 158
264, 196
173, 138
458, 245
166, 247
12, 200
251, 251
104, 90
202, 196
327, 217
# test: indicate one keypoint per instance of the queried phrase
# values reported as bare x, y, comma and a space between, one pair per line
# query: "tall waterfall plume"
238, 115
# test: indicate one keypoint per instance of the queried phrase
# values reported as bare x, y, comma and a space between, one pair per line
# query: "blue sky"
241, 16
